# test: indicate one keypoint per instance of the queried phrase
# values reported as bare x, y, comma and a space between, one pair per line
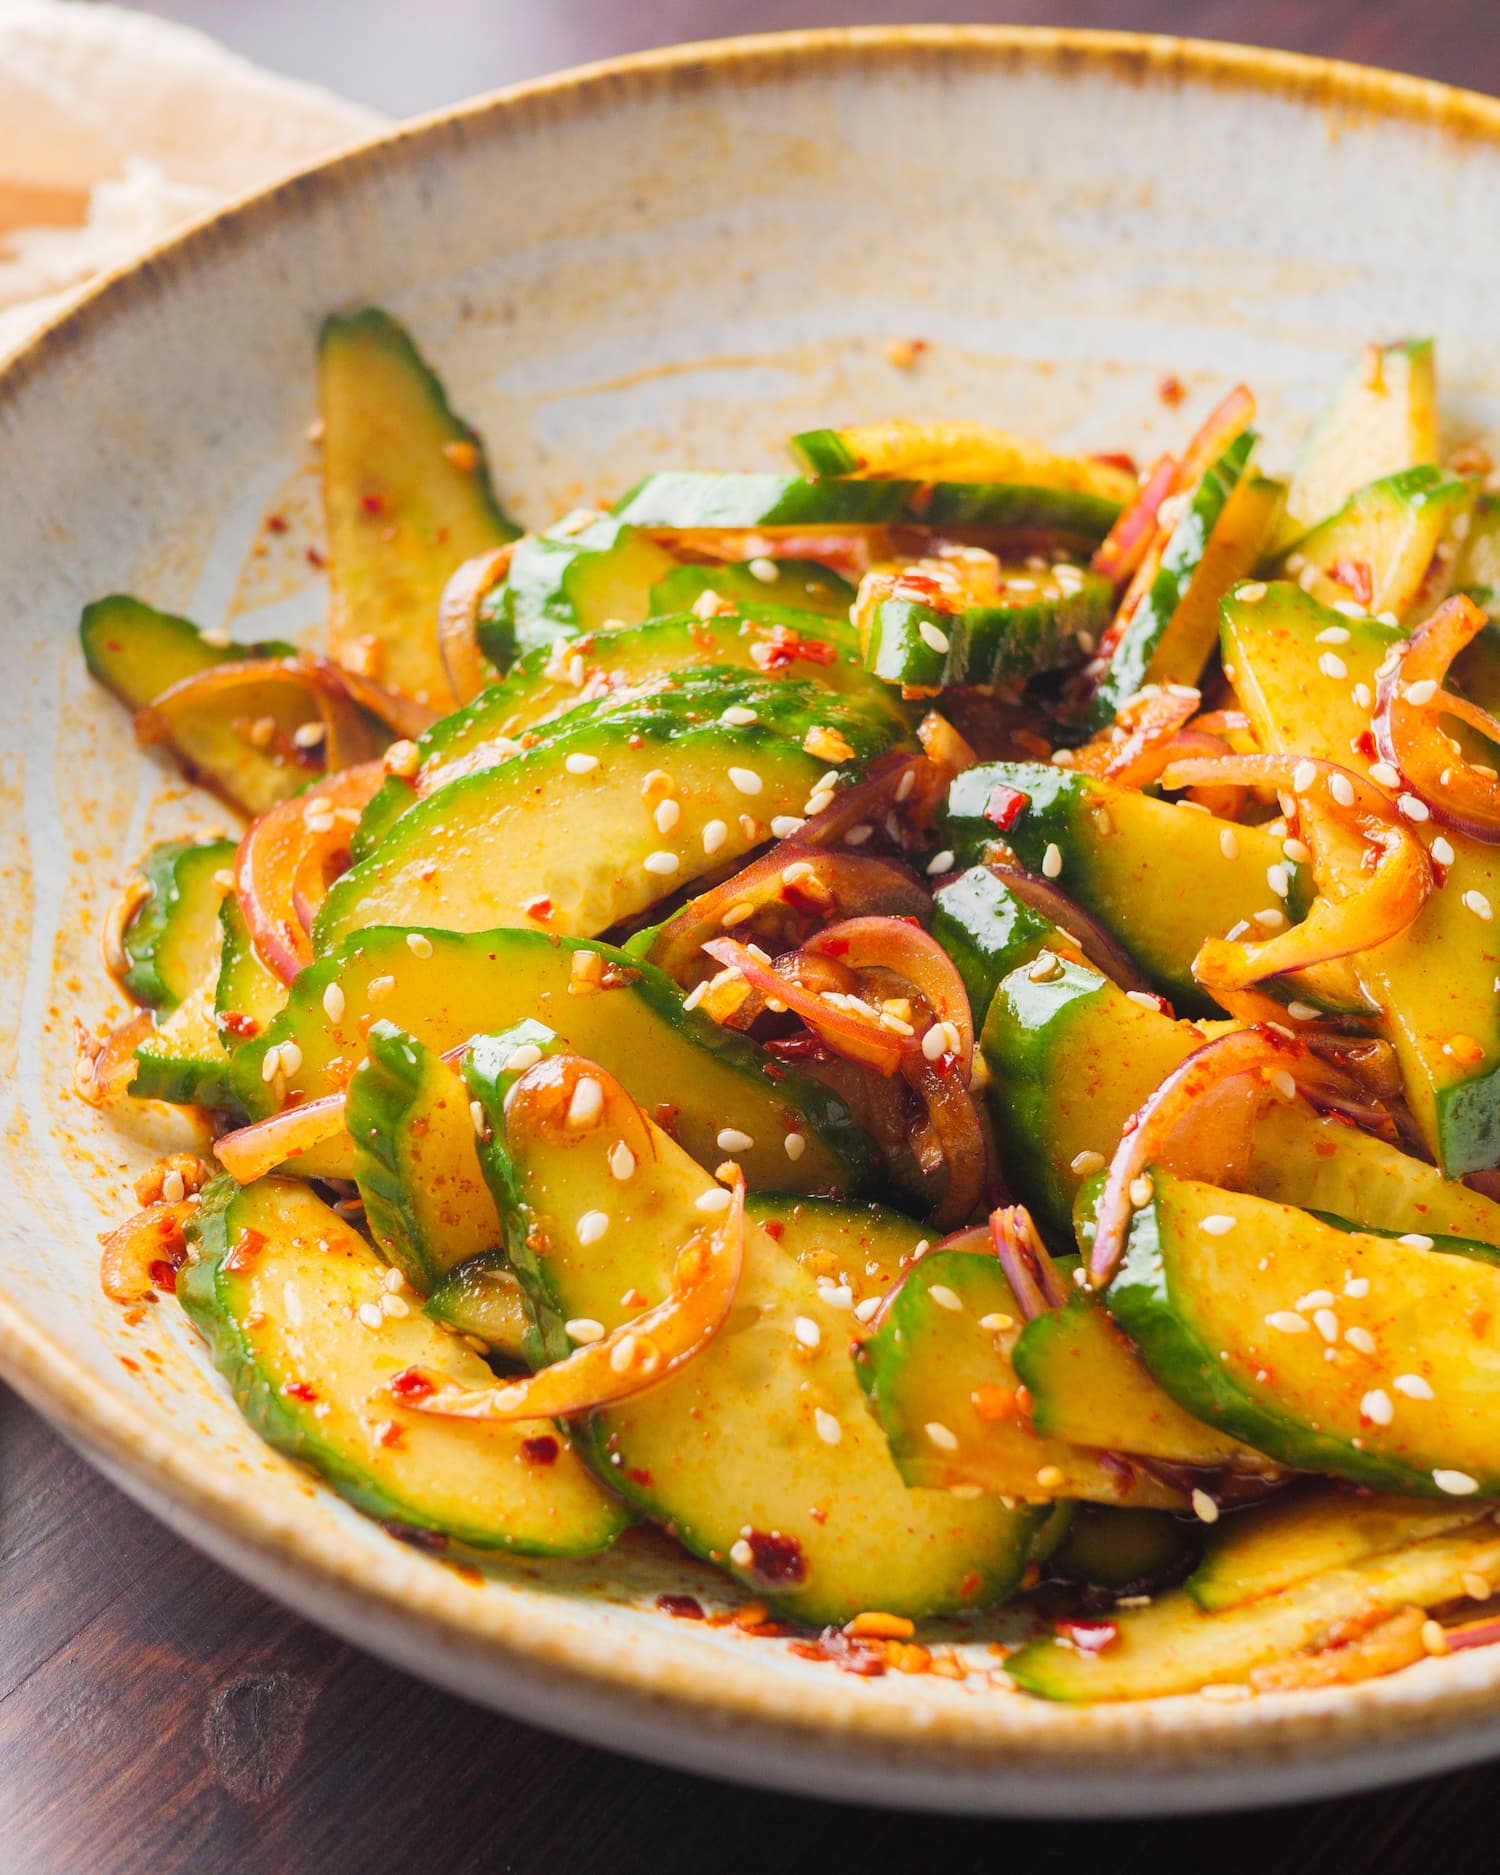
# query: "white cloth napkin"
116, 127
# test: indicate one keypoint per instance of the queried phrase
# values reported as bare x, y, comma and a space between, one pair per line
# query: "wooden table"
157, 1715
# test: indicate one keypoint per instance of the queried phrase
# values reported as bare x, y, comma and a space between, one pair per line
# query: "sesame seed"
270, 1065
1229, 844
1357, 1288
1476, 1586
1333, 635
1349, 610
1277, 879
479, 1120
1303, 1012
867, 1310
713, 1201
795, 1145
661, 863
1413, 1386
1204, 1508
1303, 777
1342, 790
731, 1139
666, 815
581, 764
333, 1003
1272, 917
940, 1436
418, 944
1052, 863
586, 1105
1434, 1640
1218, 1225
936, 1042
715, 833
1363, 696
583, 1328
318, 820
1141, 1190
1386, 774
1296, 851
622, 1355
738, 716
379, 988
396, 1307
828, 1428
1314, 1299
1455, 1483
1360, 1339
1415, 1240
370, 1315
1051, 1477
1087, 1163
1376, 1407
1413, 808
1331, 665
745, 779
945, 1297
1423, 691
997, 1323
592, 1226
1477, 903
1282, 1081
818, 802
1252, 592
931, 636
1286, 1323
807, 1331
402, 758
1442, 851
1327, 1324
741, 1554
785, 825
940, 862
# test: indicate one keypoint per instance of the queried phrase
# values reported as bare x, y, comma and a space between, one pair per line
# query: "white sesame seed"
741, 1554
695, 995
1376, 1407
795, 1145
1282, 1081
1386, 774
318, 820
945, 1297
1286, 1323
1303, 1012
715, 833
584, 1329
940, 862
1204, 1508
666, 815
867, 1310
1303, 777
1357, 1288
1085, 1164
581, 764
807, 1331
1413, 1386
713, 1201
731, 1139
586, 1105
592, 1226
270, 1065
1052, 863
738, 716
1327, 1324
1422, 691
932, 636
1455, 1483
333, 1003
1229, 844
785, 825
1442, 851
1477, 903
1252, 592
1219, 1225
1363, 696
1415, 1240
291, 1058
1413, 807
396, 1307
661, 863
997, 1323
1360, 1339
1349, 609
1141, 1190
1342, 790
1276, 878
1333, 635
479, 1120
828, 1428
622, 1355
940, 1436
1314, 1299
369, 1313
1296, 851
820, 800
1332, 665
379, 987
745, 780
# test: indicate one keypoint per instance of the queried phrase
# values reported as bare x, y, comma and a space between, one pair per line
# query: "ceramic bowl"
678, 258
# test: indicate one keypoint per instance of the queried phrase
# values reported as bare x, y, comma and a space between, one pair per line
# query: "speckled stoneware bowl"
677, 258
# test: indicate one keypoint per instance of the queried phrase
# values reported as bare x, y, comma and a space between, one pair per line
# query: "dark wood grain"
157, 1715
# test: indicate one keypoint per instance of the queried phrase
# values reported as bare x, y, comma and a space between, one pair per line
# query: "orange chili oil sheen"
246, 1247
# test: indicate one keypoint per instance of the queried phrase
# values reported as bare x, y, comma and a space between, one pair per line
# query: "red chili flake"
411, 1384
1364, 744
244, 1250
808, 895
372, 504
276, 523
164, 1276
683, 1607
803, 1047
243, 1027
863, 1658
782, 646
835, 947
1089, 1637
1357, 577
638, 1474
774, 1229
1116, 459
1005, 807
1171, 391
300, 1390
315, 558
971, 1585
542, 1450
776, 1558
772, 1073
539, 909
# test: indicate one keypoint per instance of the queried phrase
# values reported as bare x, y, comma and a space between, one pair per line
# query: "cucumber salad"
928, 1024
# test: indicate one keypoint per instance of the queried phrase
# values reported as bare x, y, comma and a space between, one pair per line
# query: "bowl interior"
674, 261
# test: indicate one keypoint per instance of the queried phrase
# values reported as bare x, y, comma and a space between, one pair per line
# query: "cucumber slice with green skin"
676, 1061
987, 931
1211, 1315
1276, 1546
954, 452
1126, 1551
1382, 419
171, 938
183, 1061
484, 1298
682, 501
1158, 875
1434, 984
276, 1285
570, 580
799, 585
1037, 623
1217, 540
1399, 533
407, 1112
247, 994
1477, 569
138, 652
603, 671
562, 834
757, 1453
862, 1249
1174, 1647
1088, 1387
940, 1382
406, 499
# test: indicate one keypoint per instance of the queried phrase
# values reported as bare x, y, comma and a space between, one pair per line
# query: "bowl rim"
656, 1702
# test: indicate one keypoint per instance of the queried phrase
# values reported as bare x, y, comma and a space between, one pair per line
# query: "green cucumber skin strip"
986, 644
987, 932
152, 923
823, 452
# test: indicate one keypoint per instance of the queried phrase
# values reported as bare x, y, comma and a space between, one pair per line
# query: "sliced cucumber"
450, 986
987, 931
484, 1298
758, 1452
1410, 1408
1382, 419
940, 1381
1434, 984
1124, 1551
138, 652
799, 585
1174, 1647
1217, 539
955, 452
183, 1060
681, 501
173, 935
407, 1113
568, 580
1387, 547
569, 834
1270, 1549
277, 1286
861, 1249
247, 994
1477, 569
406, 497
1159, 876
